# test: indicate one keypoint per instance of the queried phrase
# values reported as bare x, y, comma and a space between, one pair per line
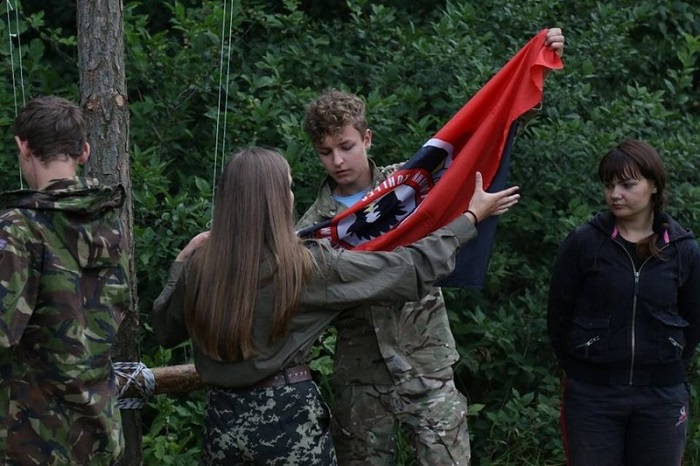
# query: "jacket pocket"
669, 336
588, 338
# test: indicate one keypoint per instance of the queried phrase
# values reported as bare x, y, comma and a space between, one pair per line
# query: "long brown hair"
252, 226
637, 159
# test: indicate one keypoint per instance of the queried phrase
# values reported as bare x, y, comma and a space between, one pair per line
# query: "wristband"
476, 219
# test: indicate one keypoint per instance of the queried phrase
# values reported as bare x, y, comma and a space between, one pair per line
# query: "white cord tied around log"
129, 371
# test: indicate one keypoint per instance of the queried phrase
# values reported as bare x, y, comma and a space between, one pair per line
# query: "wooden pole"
170, 380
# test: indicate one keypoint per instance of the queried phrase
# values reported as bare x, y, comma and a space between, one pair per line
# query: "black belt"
294, 374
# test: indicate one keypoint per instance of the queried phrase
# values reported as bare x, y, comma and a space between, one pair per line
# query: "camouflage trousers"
432, 411
272, 426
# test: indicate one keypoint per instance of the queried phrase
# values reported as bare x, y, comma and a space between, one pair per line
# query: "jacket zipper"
588, 344
634, 307
634, 319
675, 343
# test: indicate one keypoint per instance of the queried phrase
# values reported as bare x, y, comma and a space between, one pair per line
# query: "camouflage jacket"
64, 289
380, 344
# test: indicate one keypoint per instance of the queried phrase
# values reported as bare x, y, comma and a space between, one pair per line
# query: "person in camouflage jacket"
63, 291
390, 366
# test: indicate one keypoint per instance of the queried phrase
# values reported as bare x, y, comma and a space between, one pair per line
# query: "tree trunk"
103, 97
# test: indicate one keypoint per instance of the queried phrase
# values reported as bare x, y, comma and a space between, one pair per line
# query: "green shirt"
343, 280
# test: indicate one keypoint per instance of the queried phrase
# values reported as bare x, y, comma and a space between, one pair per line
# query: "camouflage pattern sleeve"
19, 278
387, 171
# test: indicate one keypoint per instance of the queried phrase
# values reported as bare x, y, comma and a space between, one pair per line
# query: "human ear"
23, 146
85, 155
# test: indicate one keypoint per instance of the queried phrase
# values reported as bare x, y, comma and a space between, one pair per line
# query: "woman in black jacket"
624, 320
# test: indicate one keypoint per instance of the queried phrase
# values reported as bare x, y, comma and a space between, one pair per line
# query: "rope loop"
129, 371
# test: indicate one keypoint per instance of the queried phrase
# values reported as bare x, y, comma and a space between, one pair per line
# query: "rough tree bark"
104, 100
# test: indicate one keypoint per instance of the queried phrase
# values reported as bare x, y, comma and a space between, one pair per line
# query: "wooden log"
171, 380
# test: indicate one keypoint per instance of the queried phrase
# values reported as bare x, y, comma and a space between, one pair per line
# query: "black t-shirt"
632, 250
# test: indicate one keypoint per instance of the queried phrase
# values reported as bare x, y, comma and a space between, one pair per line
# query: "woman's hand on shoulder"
194, 244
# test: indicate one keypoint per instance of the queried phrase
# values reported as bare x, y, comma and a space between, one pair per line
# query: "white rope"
130, 371
10, 36
223, 89
228, 82
12, 53
19, 49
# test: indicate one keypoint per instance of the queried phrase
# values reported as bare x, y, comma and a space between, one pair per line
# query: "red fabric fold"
435, 185
477, 133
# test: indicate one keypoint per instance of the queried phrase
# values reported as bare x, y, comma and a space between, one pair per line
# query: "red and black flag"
434, 186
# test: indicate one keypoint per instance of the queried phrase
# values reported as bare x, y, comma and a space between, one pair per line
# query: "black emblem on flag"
378, 217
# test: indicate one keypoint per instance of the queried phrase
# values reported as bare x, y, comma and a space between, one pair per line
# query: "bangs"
618, 165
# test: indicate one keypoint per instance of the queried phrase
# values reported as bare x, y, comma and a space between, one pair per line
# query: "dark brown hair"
637, 159
53, 127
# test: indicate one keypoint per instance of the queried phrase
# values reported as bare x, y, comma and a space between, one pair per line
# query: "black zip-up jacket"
612, 323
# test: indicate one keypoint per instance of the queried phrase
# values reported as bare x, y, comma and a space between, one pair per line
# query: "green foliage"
174, 434
27, 74
203, 82
165, 218
526, 431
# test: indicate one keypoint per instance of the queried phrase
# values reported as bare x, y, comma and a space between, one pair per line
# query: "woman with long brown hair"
253, 298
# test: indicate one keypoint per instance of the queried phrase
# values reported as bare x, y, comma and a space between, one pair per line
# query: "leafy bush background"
631, 70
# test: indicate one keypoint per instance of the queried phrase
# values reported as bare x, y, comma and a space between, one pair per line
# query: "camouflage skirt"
274, 426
